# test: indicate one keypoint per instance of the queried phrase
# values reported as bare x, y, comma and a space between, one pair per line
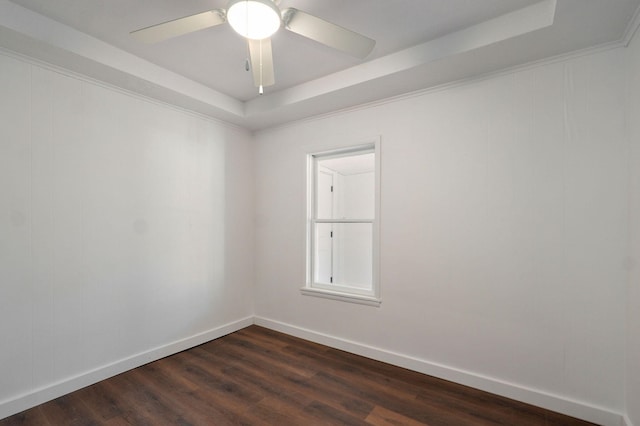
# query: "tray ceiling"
420, 43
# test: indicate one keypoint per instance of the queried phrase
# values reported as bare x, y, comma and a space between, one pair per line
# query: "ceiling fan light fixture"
254, 19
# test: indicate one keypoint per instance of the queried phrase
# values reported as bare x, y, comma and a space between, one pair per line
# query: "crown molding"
632, 28
593, 50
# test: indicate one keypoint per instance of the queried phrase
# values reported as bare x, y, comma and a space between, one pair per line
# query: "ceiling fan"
257, 20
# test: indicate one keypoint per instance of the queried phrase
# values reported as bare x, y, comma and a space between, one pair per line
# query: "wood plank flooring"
260, 377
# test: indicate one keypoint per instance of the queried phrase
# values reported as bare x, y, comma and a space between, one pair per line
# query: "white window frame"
336, 292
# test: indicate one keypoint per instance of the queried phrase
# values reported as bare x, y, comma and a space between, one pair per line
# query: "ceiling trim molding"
45, 30
30, 60
632, 28
453, 84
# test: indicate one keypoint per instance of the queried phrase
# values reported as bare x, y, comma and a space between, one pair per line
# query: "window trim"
333, 292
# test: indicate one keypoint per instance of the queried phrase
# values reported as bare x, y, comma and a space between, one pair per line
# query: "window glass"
344, 253
346, 187
342, 236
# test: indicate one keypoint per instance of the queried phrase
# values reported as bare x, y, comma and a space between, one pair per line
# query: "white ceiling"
420, 43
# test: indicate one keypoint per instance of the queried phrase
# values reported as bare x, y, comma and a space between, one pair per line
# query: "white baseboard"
55, 390
581, 410
556, 403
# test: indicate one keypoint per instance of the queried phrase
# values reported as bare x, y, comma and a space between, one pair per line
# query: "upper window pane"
346, 187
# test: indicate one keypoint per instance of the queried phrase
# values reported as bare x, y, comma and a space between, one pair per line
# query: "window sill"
345, 297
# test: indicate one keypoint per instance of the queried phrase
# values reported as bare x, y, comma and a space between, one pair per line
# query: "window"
342, 226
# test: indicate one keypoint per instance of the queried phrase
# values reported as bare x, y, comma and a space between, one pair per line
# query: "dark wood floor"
260, 377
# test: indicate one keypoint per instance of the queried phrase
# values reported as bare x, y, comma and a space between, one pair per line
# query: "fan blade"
261, 62
180, 26
327, 33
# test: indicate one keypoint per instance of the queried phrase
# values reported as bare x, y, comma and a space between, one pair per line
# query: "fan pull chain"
247, 63
260, 89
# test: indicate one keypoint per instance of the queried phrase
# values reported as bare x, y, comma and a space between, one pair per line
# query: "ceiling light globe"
254, 19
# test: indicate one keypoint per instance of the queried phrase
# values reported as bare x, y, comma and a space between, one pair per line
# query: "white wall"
125, 227
503, 228
633, 296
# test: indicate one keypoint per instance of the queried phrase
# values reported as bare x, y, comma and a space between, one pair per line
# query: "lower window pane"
344, 254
